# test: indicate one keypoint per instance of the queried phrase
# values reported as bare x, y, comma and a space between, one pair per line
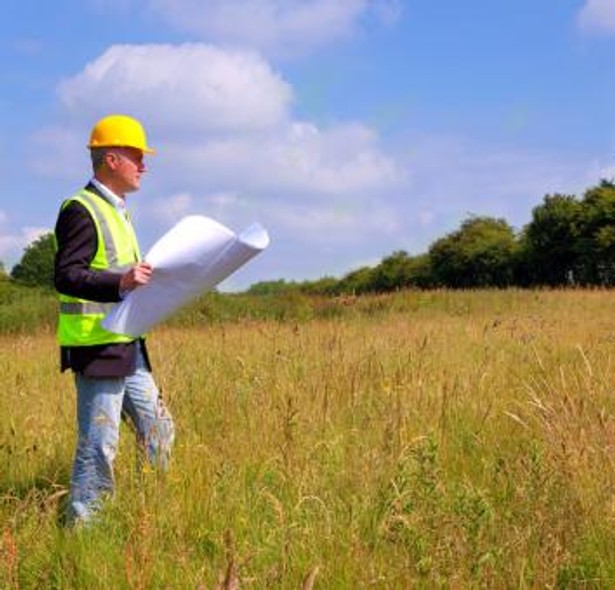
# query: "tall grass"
25, 309
415, 440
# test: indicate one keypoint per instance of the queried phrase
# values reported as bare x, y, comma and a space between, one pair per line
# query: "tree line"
568, 241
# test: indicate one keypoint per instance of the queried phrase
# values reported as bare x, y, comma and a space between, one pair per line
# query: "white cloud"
280, 28
454, 177
32, 233
299, 160
600, 170
12, 244
229, 147
336, 223
186, 89
598, 15
170, 208
221, 122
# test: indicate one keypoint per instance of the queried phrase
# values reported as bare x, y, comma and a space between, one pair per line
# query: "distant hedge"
31, 309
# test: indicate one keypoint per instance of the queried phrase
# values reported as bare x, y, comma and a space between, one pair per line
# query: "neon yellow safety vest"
80, 320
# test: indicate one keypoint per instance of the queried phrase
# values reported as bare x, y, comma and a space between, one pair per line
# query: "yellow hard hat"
119, 131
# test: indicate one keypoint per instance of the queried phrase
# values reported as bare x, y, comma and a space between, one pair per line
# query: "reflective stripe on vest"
85, 307
110, 249
117, 250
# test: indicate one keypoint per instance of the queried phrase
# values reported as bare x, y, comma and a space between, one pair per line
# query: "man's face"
126, 165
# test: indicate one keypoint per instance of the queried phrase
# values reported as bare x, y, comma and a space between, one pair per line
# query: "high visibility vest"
80, 320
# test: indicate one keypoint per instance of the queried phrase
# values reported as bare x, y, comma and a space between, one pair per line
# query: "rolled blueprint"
190, 259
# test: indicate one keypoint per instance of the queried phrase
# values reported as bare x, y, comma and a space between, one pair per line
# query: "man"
97, 263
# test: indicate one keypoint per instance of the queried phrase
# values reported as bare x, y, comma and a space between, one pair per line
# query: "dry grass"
464, 441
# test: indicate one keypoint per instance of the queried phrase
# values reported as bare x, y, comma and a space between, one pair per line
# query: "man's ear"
112, 160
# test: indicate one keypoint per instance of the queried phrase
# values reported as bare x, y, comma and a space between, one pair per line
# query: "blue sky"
349, 129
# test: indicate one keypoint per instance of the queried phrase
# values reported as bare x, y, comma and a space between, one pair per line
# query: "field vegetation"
418, 439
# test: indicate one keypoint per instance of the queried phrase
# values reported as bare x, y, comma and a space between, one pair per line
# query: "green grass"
26, 309
416, 440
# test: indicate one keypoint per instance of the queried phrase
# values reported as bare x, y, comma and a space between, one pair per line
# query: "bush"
36, 265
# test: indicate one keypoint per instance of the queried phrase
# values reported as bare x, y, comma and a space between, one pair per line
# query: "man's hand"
138, 275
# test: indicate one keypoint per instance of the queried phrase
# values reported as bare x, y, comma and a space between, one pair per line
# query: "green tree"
323, 286
268, 287
36, 264
357, 281
420, 271
549, 242
392, 273
595, 242
401, 271
481, 253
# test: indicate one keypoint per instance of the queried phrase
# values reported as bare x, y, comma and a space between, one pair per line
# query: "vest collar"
107, 194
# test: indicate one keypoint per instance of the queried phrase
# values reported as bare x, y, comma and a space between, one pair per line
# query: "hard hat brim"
145, 150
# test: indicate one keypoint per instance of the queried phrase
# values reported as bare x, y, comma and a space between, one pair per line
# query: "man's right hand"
139, 274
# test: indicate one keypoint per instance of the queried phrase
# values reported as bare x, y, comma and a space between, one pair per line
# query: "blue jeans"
101, 403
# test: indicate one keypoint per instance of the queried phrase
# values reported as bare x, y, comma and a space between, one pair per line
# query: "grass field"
417, 440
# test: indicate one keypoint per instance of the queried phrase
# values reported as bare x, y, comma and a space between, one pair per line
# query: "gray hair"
98, 156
